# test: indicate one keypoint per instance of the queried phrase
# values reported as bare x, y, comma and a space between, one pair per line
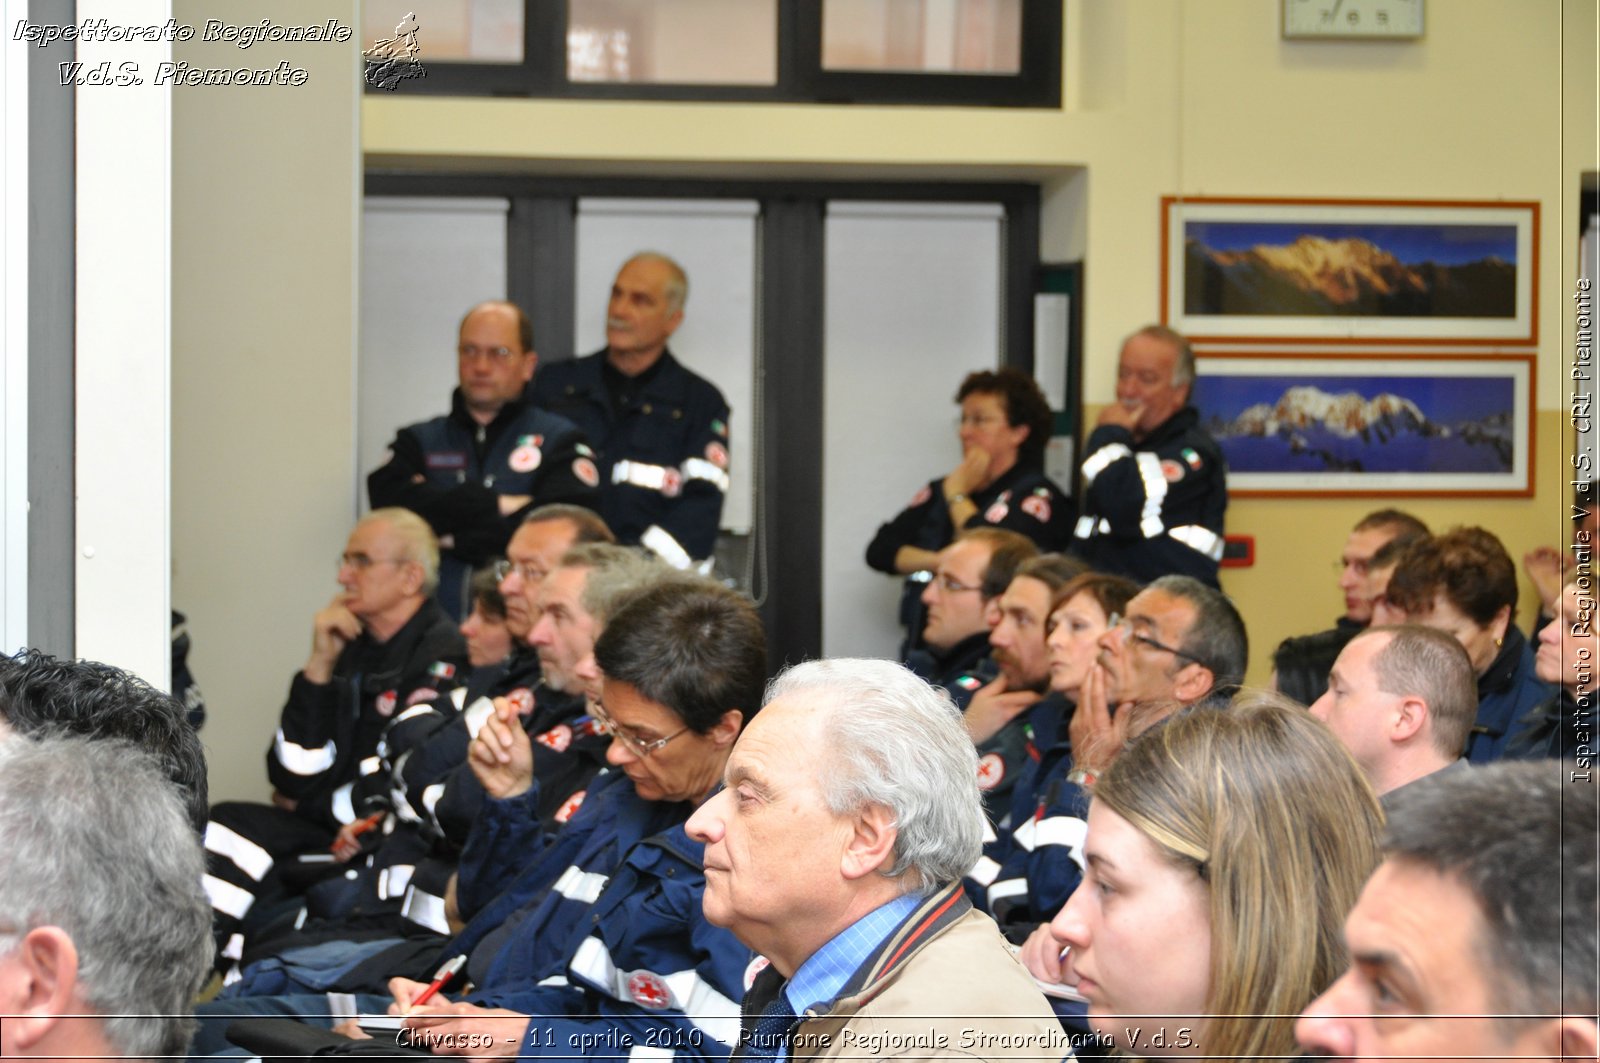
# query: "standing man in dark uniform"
1154, 483
475, 472
660, 431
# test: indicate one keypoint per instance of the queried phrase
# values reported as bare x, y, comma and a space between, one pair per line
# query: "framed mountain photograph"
1350, 271
1299, 425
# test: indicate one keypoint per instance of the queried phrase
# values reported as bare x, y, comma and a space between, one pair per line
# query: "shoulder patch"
385, 702
649, 990
969, 682
569, 807
442, 670
717, 454
720, 427
991, 771
522, 700
557, 738
1037, 507
997, 512
525, 458
921, 497
1192, 457
421, 694
1172, 470
584, 470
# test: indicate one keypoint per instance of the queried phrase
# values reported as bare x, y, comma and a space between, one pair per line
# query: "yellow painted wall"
1195, 97
265, 207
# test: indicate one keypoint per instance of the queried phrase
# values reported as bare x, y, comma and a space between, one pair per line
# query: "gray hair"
417, 541
1520, 838
616, 575
1183, 368
677, 280
897, 742
1217, 637
1421, 662
93, 839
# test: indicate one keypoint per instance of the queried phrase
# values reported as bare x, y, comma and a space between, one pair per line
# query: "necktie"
770, 1038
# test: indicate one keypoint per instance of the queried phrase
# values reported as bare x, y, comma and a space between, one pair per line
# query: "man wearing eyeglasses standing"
473, 473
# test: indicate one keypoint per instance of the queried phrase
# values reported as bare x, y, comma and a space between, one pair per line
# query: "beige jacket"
943, 986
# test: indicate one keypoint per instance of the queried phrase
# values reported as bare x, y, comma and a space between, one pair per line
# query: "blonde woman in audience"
1224, 850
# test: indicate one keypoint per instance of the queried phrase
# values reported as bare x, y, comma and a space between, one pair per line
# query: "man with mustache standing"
660, 431
1154, 483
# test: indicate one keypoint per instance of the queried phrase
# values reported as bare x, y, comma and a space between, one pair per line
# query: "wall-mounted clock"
1352, 19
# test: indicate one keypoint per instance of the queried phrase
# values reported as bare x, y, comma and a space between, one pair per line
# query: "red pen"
360, 827
450, 969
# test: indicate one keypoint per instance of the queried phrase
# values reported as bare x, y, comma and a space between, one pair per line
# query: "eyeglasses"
361, 562
529, 573
1115, 622
978, 420
631, 742
467, 352
951, 585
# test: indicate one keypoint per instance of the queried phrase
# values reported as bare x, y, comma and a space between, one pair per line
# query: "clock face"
1368, 19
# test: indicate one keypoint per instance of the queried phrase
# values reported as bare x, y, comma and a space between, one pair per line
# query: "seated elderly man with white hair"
836, 851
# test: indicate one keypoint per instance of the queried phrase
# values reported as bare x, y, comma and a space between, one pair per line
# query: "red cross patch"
1171, 470
991, 770
521, 699
997, 512
648, 990
569, 806
1038, 507
525, 459
421, 694
585, 471
921, 496
717, 454
557, 738
386, 702
671, 482
757, 965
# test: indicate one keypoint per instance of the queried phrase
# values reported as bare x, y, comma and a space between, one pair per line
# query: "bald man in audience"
474, 472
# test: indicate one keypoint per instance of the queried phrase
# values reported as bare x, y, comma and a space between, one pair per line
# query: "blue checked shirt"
822, 976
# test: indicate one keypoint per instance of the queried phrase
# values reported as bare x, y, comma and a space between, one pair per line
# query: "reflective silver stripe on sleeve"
415, 710
984, 871
430, 796
370, 765
299, 759
584, 886
393, 880
1088, 526
425, 910
1096, 463
476, 713
988, 832
639, 474
234, 949
1199, 538
243, 853
1025, 835
660, 542
1011, 887
701, 469
1066, 831
227, 898
1155, 493
344, 809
